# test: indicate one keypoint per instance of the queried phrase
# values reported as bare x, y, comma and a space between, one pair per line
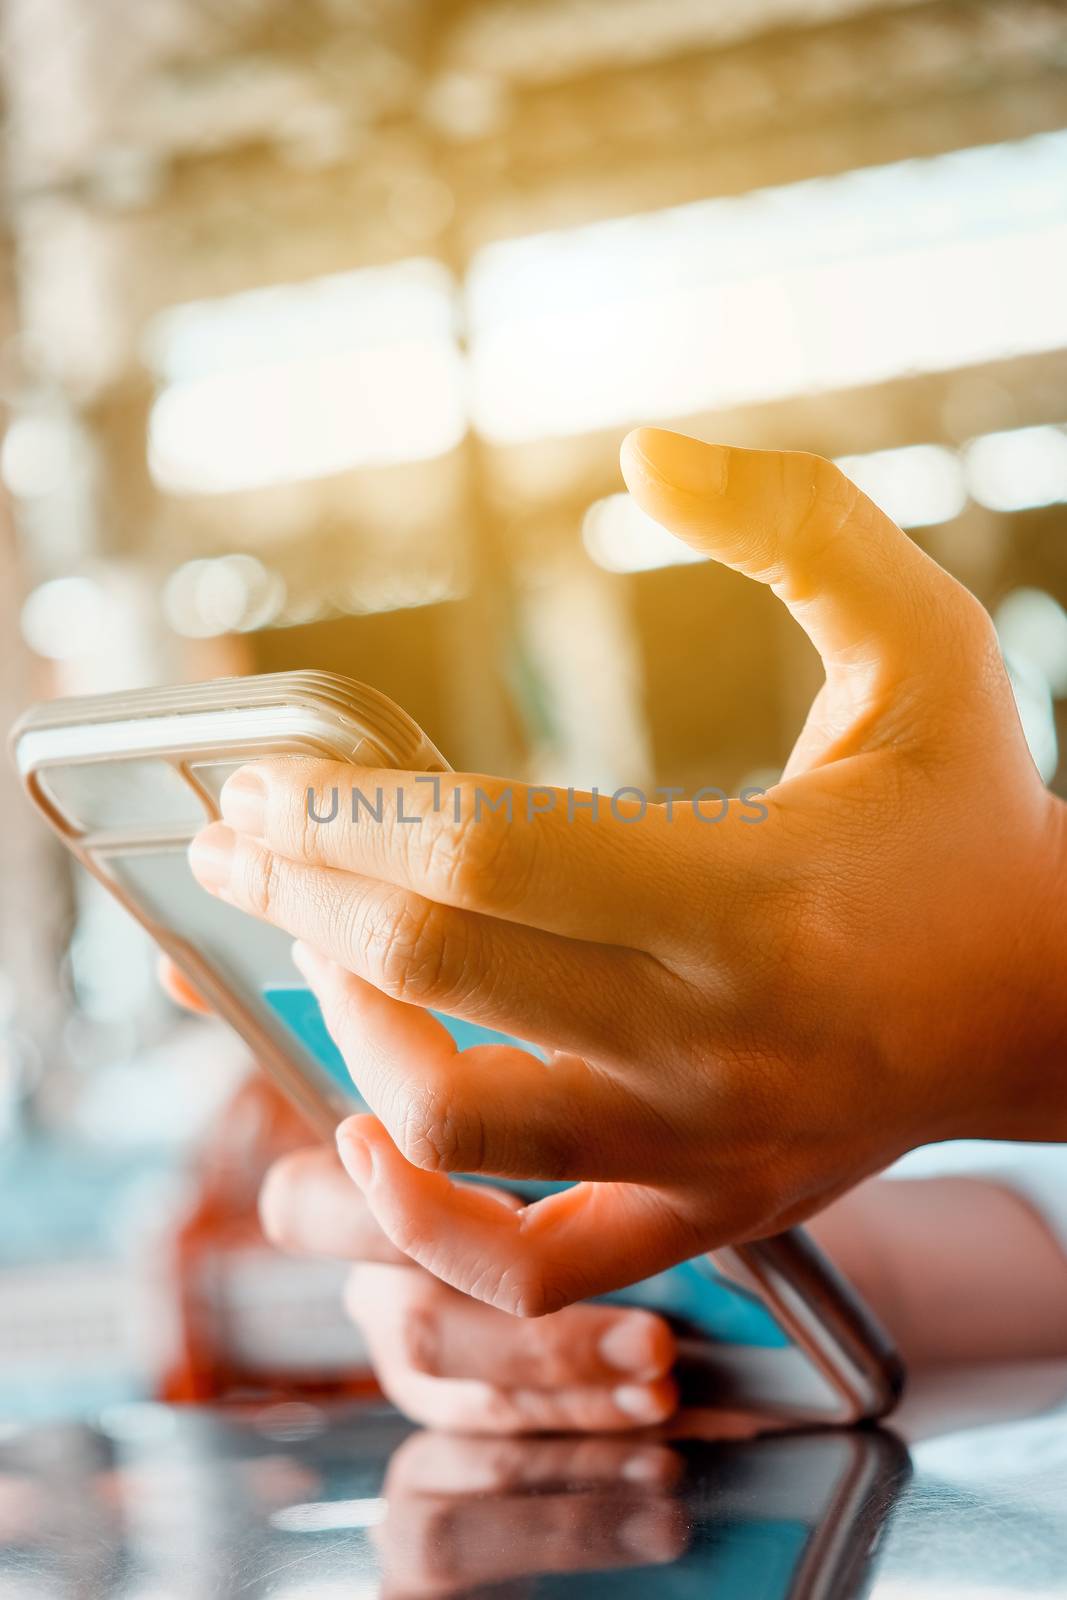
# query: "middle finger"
568, 994
484, 844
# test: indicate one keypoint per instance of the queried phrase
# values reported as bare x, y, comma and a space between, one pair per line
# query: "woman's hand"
448, 1361
743, 1018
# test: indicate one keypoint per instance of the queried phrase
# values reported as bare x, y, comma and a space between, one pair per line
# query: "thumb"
583, 1241
870, 600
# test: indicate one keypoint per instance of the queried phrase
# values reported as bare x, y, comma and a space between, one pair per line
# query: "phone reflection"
300, 1502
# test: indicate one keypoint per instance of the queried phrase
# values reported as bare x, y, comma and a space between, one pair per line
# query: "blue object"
692, 1293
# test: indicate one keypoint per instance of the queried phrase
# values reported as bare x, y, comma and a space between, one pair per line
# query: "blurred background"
321, 324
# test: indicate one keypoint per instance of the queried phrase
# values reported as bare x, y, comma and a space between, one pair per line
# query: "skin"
925, 1255
451, 1362
742, 1022
960, 1271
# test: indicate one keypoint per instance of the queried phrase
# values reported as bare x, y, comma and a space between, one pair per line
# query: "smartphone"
126, 779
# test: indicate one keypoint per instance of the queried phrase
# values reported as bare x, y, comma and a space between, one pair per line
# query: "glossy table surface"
305, 1502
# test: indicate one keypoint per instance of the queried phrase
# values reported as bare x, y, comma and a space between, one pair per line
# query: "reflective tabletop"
965, 1495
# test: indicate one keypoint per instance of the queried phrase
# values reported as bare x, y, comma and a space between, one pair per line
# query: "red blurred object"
252, 1321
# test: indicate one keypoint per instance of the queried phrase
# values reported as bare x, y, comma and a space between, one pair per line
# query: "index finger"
592, 867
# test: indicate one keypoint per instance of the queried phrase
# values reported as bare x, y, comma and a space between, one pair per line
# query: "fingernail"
680, 462
644, 1405
357, 1157
627, 1345
211, 856
243, 801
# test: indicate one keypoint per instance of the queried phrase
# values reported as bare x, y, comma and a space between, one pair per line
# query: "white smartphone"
125, 780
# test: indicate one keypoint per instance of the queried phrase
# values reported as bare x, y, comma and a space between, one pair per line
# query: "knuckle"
550, 1349
465, 857
439, 1134
340, 911
315, 798
826, 481
304, 816
421, 1339
825, 500
825, 475
412, 945
976, 627
526, 1291
261, 881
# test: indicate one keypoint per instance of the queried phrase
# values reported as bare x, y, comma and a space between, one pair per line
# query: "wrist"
1028, 1055
922, 1251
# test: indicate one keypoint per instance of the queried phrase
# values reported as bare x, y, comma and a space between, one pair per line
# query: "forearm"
1051, 1121
957, 1269
994, 1051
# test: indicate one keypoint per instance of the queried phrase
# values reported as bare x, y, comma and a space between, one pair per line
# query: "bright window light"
66, 618
36, 455
207, 597
1016, 470
305, 380
557, 39
916, 267
1033, 699
1032, 624
916, 486
621, 538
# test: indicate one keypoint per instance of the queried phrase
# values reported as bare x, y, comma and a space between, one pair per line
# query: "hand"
743, 1020
448, 1361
